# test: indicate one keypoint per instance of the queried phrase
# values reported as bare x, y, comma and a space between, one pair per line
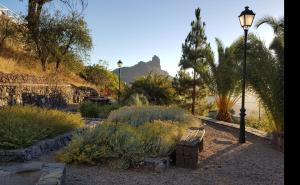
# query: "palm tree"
277, 66
277, 45
265, 74
276, 24
222, 80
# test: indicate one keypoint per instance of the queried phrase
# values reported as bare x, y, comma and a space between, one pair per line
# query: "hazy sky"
135, 30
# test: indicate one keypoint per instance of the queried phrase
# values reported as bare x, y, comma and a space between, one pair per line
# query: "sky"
135, 30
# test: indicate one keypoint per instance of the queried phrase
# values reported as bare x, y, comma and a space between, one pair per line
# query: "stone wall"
32, 90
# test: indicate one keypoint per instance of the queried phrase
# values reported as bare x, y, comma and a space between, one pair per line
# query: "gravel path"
223, 161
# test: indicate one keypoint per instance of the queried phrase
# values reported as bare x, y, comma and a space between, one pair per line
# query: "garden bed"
129, 135
42, 147
223, 161
23, 126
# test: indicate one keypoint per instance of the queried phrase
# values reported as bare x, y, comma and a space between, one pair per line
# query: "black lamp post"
120, 63
246, 19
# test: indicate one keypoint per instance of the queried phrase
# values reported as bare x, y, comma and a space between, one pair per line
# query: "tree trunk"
278, 140
44, 64
58, 61
194, 94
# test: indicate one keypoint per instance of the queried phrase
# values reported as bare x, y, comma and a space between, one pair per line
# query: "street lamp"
120, 63
246, 19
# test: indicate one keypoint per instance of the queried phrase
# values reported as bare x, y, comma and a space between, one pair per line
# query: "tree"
71, 38
157, 88
277, 45
8, 29
183, 85
194, 50
99, 75
222, 80
43, 44
276, 24
265, 74
34, 12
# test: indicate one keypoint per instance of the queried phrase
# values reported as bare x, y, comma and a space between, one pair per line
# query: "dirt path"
223, 161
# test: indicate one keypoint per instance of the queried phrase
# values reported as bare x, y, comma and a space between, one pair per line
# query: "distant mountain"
129, 74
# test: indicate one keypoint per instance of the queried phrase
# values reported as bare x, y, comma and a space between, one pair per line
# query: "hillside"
129, 74
17, 61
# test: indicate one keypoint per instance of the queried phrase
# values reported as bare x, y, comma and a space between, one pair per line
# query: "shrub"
103, 78
121, 145
265, 124
160, 137
137, 99
128, 136
92, 110
89, 109
22, 126
104, 110
157, 88
137, 115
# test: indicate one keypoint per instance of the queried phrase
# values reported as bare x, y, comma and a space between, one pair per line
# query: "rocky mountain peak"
129, 74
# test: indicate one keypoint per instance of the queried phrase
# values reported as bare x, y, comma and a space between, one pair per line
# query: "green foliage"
137, 99
93, 110
127, 145
41, 39
157, 89
160, 137
138, 115
8, 29
265, 74
89, 109
71, 38
194, 55
59, 38
99, 75
22, 126
265, 69
222, 80
183, 84
122, 145
265, 124
104, 110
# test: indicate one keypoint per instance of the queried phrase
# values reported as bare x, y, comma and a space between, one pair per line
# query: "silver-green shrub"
138, 115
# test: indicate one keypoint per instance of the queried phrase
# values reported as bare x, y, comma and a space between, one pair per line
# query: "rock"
36, 150
157, 164
29, 167
53, 174
40, 91
128, 74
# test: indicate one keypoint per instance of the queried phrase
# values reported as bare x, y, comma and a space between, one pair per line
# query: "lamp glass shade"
246, 18
120, 63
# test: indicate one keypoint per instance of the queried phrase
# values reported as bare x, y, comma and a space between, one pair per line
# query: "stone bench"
187, 149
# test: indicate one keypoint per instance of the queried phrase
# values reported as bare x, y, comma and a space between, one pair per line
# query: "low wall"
32, 90
35, 151
250, 130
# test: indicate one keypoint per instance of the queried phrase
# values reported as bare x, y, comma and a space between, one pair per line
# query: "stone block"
157, 164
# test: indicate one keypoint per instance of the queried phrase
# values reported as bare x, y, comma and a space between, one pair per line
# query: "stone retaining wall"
34, 151
44, 146
32, 90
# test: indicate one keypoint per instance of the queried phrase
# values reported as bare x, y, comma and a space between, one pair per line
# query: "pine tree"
194, 51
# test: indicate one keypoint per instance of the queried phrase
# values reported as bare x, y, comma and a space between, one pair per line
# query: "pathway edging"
250, 130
